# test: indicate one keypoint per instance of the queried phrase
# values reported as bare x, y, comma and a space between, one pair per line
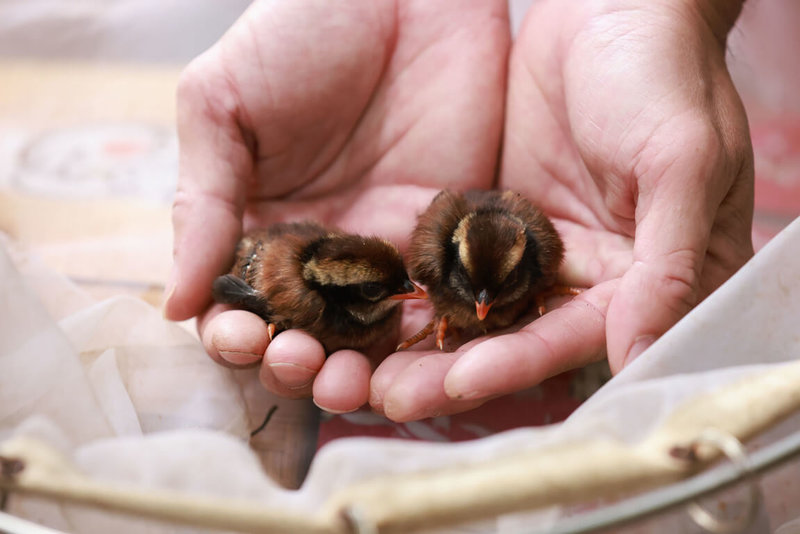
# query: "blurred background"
148, 31
88, 153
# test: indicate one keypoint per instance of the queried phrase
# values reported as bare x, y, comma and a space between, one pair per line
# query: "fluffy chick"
343, 289
485, 258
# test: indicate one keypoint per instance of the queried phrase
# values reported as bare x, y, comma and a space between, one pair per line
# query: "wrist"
719, 15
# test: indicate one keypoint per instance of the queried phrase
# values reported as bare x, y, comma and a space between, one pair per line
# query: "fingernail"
639, 346
459, 383
172, 283
375, 397
398, 411
392, 409
456, 389
292, 375
456, 394
239, 357
334, 412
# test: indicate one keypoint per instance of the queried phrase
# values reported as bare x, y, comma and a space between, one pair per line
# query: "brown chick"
485, 258
341, 288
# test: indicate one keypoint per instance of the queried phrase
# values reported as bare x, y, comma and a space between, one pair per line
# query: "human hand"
622, 123
353, 114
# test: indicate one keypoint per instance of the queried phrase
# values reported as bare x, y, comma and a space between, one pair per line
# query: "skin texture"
618, 118
394, 102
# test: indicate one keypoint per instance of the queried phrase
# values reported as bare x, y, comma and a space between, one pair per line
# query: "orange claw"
441, 332
437, 325
271, 330
416, 338
555, 291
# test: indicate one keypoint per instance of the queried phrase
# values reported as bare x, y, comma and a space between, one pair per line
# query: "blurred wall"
763, 56
170, 31
762, 47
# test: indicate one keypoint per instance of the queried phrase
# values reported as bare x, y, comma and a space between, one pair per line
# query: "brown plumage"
343, 289
485, 258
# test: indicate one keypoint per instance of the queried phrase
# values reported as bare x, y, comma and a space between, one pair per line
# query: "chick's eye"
371, 291
511, 279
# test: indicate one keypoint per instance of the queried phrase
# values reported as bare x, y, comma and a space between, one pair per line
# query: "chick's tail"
230, 289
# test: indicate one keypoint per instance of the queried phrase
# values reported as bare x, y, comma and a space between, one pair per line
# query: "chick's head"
495, 260
362, 276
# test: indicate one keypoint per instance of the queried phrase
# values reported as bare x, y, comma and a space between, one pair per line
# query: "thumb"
214, 165
652, 296
674, 221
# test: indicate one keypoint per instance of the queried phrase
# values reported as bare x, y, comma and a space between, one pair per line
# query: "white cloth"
132, 398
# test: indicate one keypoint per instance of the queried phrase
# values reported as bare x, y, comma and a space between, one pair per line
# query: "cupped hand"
623, 124
351, 113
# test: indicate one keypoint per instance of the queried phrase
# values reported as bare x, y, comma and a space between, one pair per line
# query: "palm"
647, 184
398, 110
638, 120
624, 126
357, 118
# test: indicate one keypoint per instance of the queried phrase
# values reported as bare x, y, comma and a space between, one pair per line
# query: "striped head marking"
340, 272
490, 240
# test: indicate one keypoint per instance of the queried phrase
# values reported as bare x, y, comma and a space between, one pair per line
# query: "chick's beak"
411, 291
483, 305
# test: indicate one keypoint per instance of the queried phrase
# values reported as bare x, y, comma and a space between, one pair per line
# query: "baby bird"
341, 288
485, 258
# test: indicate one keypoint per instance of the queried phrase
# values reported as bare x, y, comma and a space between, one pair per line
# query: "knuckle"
676, 280
190, 81
195, 75
204, 86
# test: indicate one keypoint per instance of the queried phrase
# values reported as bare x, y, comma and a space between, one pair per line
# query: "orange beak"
482, 309
482, 306
414, 292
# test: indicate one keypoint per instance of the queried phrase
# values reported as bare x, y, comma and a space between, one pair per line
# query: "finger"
386, 374
343, 383
417, 392
592, 255
214, 165
675, 213
234, 338
731, 242
416, 314
568, 337
291, 363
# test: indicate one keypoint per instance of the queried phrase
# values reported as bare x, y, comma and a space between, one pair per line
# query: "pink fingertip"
293, 375
239, 357
342, 384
